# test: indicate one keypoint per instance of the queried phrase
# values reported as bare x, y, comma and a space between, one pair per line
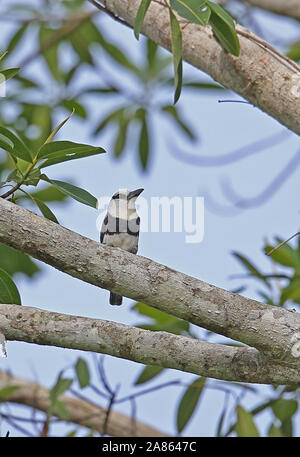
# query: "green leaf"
82, 372
49, 194
50, 53
7, 391
52, 134
294, 51
250, 267
46, 212
113, 116
245, 425
60, 410
121, 137
148, 373
285, 255
224, 28
61, 151
75, 192
16, 38
291, 291
173, 112
9, 293
13, 145
61, 385
284, 409
9, 73
152, 48
274, 431
13, 261
140, 15
144, 141
203, 86
188, 403
195, 11
176, 38
79, 109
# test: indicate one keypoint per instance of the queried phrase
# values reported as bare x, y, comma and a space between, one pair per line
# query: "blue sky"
222, 128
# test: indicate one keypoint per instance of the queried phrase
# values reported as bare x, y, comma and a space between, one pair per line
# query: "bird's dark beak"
134, 193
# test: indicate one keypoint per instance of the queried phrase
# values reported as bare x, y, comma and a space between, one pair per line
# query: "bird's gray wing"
103, 228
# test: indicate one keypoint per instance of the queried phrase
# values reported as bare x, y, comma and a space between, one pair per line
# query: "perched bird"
121, 226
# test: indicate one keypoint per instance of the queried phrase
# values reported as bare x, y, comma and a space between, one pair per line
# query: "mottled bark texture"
275, 332
261, 75
230, 363
81, 412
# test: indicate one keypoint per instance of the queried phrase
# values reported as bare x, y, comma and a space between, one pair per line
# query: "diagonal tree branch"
270, 329
262, 75
163, 349
81, 412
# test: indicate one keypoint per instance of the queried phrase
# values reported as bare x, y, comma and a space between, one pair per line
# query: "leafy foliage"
200, 12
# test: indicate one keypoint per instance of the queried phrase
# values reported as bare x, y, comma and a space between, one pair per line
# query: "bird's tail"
115, 299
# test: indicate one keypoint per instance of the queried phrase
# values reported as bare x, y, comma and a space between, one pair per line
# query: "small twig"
111, 402
110, 13
282, 243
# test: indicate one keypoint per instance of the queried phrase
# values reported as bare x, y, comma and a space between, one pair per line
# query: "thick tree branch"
289, 8
163, 349
81, 412
270, 329
261, 74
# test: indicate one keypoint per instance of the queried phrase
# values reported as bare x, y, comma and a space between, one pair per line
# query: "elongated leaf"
121, 137
188, 403
113, 116
61, 151
245, 425
144, 142
250, 267
45, 210
82, 372
9, 73
13, 145
52, 134
16, 38
173, 112
50, 53
195, 11
176, 38
60, 409
61, 385
13, 261
148, 373
79, 109
75, 192
140, 15
285, 255
224, 28
9, 293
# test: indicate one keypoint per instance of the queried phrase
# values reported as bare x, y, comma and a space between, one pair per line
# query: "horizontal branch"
81, 412
268, 328
261, 74
162, 349
289, 8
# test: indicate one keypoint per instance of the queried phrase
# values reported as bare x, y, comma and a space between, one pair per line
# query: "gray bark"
230, 363
271, 330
